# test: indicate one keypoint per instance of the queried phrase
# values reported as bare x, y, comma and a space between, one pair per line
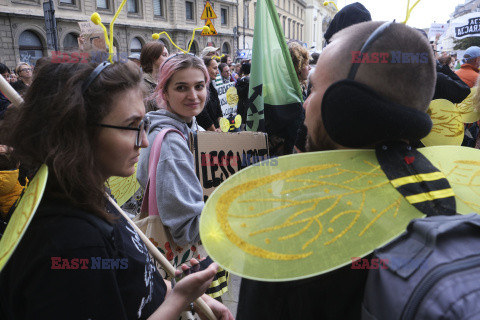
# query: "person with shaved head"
372, 83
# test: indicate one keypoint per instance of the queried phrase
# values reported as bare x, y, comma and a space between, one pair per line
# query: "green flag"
274, 87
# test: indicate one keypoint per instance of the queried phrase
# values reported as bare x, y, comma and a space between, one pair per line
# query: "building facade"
446, 42
23, 33
318, 17
290, 12
468, 7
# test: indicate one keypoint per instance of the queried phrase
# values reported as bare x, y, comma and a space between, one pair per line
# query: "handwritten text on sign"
227, 94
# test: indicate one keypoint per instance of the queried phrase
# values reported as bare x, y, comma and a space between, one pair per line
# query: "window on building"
102, 4
70, 42
226, 48
224, 15
30, 47
135, 45
298, 32
189, 10
132, 6
67, 1
289, 23
194, 47
293, 29
158, 8
247, 16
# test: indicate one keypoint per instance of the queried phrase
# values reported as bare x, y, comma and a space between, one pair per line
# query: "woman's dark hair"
4, 68
151, 51
222, 66
445, 60
224, 58
55, 126
207, 61
245, 69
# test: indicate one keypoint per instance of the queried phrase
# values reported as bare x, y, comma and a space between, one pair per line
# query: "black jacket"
449, 86
212, 110
73, 265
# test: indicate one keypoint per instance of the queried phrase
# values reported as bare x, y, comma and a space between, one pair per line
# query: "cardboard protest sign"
91, 37
467, 25
220, 155
227, 94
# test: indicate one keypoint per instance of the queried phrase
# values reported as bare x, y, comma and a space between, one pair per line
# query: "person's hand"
194, 285
218, 130
219, 310
185, 292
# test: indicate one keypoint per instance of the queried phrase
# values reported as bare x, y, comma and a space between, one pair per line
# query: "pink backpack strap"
149, 203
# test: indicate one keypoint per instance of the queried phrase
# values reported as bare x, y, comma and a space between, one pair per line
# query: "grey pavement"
230, 298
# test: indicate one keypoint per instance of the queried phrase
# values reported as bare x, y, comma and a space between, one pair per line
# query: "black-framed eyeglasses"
143, 126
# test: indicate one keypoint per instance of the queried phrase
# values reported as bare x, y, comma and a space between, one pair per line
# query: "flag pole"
202, 305
10, 93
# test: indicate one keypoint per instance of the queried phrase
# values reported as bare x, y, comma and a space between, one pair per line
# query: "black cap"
349, 15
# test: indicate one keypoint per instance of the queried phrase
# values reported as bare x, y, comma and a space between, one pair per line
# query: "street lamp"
245, 13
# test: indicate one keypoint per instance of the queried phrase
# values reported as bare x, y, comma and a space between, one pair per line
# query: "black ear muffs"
356, 116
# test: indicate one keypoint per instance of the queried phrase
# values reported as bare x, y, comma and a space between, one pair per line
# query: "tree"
464, 44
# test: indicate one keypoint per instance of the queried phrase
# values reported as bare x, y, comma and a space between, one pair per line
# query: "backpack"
432, 271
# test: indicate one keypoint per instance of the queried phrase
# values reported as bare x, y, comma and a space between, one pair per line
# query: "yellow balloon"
155, 36
448, 128
22, 216
306, 214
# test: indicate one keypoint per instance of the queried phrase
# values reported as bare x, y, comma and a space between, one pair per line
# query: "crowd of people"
90, 121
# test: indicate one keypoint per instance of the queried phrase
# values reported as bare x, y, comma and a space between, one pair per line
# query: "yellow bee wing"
238, 121
468, 111
123, 188
23, 215
306, 214
448, 128
224, 124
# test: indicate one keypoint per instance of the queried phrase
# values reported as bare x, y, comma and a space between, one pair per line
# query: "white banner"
466, 26
227, 94
437, 29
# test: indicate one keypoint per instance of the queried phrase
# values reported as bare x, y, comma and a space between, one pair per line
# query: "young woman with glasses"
79, 258
25, 77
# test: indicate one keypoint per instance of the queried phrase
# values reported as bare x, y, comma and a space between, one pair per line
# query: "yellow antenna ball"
325, 3
155, 36
95, 17
206, 29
